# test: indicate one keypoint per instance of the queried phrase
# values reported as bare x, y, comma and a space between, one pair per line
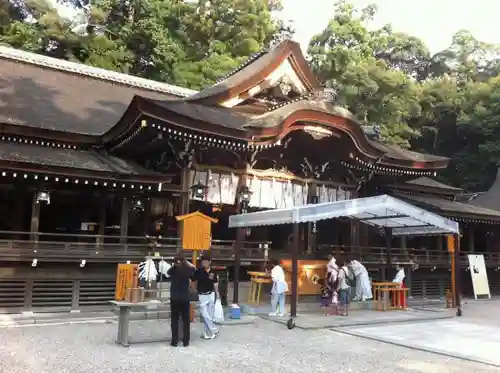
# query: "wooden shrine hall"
95, 165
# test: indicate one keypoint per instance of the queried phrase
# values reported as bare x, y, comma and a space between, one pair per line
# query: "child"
344, 288
325, 293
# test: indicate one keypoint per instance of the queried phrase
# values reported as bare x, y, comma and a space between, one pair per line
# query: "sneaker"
281, 314
173, 344
208, 336
272, 314
215, 331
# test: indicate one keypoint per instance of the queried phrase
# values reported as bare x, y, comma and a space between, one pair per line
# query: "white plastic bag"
218, 312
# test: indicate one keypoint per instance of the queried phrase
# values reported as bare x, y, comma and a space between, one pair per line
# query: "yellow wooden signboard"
126, 278
196, 231
450, 241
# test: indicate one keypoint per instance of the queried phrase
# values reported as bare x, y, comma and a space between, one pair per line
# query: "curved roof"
256, 69
269, 127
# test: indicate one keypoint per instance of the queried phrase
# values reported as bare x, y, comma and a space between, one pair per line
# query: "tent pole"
388, 248
457, 276
295, 270
240, 233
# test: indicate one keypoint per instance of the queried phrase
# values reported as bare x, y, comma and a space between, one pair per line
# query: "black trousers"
178, 309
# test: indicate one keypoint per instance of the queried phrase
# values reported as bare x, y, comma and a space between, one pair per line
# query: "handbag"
218, 312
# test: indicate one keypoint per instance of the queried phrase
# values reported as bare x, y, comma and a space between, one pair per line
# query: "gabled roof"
49, 93
453, 209
256, 69
491, 198
431, 183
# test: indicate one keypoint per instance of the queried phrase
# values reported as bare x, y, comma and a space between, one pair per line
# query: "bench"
125, 308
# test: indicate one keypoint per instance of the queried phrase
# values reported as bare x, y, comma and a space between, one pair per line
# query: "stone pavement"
311, 321
474, 337
263, 347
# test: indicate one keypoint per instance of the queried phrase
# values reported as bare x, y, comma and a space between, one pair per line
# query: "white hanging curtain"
214, 188
254, 186
323, 194
267, 195
229, 185
288, 200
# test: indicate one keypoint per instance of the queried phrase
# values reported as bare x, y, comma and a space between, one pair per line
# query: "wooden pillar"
295, 270
184, 199
238, 244
35, 217
439, 243
126, 204
471, 242
457, 295
388, 246
310, 236
403, 242
147, 223
103, 206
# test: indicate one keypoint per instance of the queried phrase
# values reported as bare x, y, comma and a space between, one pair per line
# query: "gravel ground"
260, 347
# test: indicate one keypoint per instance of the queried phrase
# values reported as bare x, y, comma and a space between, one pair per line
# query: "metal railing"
26, 246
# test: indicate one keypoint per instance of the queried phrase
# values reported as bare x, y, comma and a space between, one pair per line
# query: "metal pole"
240, 233
295, 270
388, 246
457, 276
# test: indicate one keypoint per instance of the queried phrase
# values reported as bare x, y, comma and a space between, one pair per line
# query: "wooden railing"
25, 246
420, 257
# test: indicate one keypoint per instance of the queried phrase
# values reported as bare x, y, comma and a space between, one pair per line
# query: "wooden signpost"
127, 277
196, 234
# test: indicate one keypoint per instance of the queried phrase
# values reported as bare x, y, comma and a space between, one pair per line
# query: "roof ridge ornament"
280, 37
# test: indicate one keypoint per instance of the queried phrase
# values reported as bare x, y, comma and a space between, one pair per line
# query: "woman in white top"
400, 279
280, 287
400, 276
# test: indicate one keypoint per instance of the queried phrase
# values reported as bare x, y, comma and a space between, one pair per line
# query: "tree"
178, 42
371, 71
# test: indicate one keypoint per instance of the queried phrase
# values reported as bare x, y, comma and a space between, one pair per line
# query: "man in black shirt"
206, 285
180, 274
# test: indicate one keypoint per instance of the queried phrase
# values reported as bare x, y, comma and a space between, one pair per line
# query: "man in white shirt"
280, 287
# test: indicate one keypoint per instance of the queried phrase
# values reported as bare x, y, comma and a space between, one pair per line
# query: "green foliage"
445, 104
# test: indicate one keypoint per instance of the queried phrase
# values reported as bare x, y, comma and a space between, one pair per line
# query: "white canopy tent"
393, 216
383, 211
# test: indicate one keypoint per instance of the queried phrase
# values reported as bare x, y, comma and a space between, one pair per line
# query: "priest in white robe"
363, 285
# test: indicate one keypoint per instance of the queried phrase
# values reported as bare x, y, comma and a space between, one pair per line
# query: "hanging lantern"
158, 225
244, 195
43, 197
198, 191
137, 205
